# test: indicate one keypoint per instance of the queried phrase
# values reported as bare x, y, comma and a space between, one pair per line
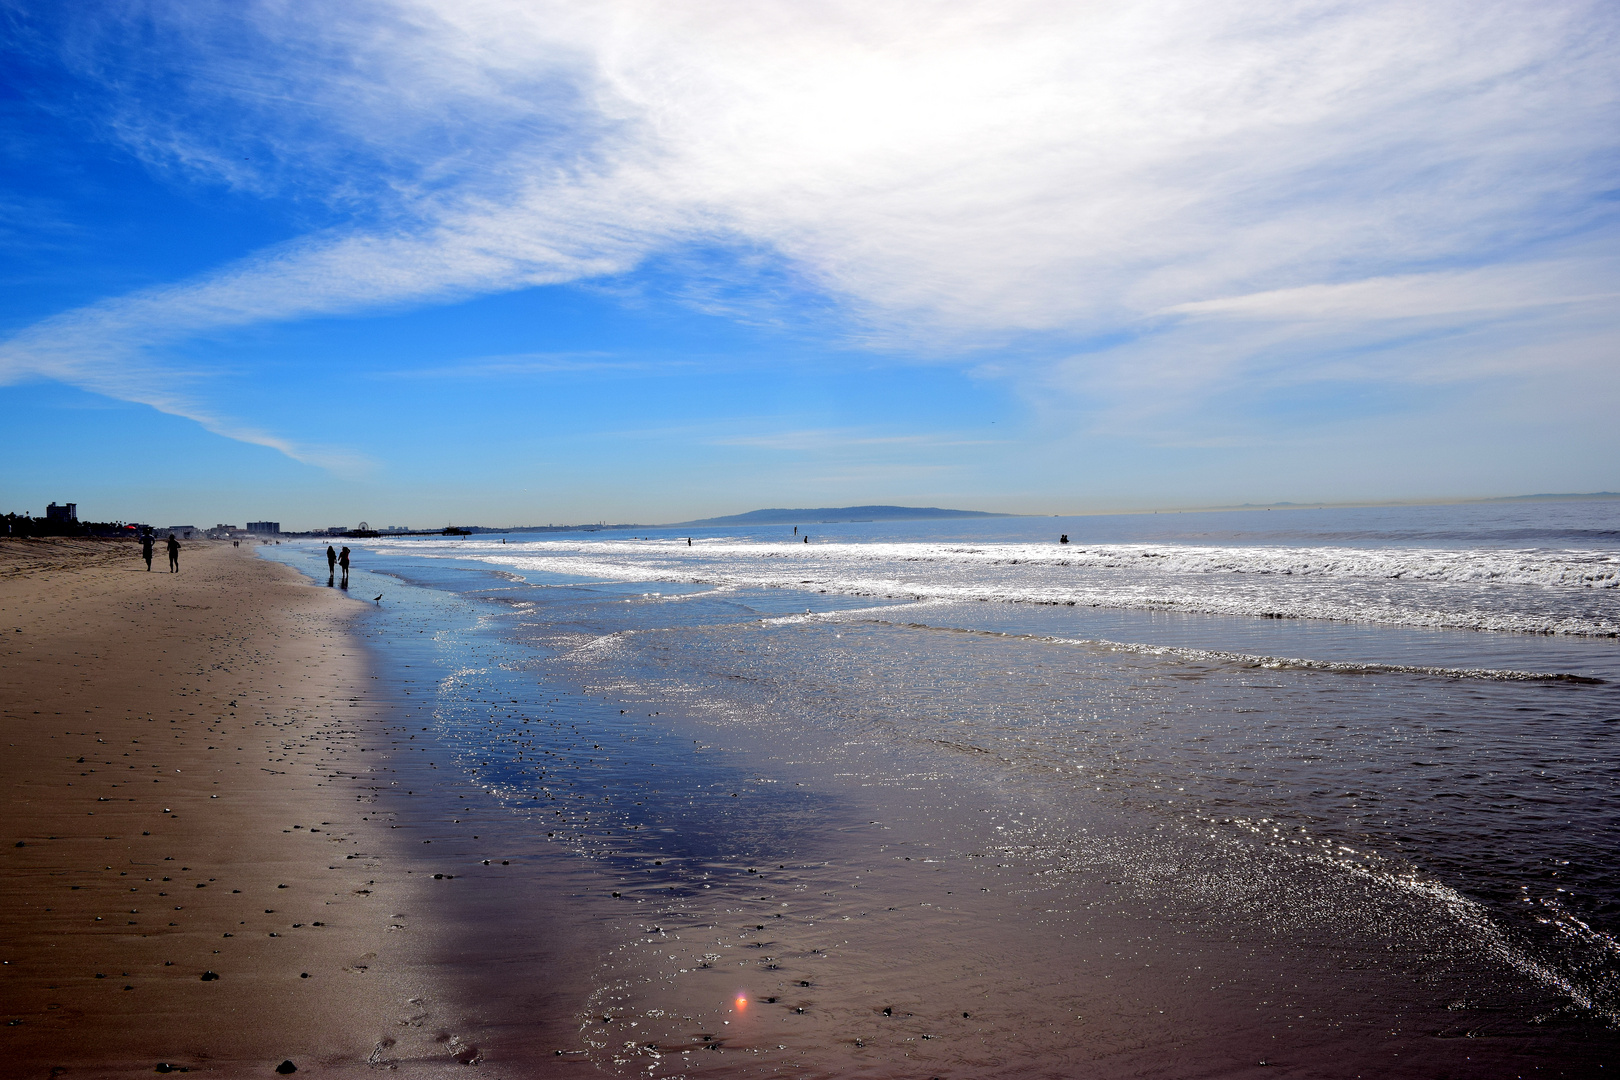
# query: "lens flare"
742, 1002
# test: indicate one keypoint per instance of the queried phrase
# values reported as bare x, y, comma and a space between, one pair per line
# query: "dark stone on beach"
887, 1011
164, 1067
286, 1067
209, 976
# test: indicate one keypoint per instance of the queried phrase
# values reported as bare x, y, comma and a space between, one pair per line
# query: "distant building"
67, 513
270, 528
336, 530
397, 528
179, 532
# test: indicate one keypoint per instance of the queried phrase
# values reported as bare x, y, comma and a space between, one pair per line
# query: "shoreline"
889, 886
181, 755
543, 867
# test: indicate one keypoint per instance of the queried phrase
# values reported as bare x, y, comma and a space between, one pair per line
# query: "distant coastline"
1554, 498
826, 515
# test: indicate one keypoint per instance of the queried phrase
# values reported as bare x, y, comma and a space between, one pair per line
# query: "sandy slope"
177, 802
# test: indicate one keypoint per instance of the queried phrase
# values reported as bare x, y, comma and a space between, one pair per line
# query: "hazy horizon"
494, 525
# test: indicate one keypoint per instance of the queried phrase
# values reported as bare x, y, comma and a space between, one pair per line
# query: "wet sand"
754, 888
193, 874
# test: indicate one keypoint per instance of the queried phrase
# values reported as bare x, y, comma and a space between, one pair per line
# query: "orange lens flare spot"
742, 1002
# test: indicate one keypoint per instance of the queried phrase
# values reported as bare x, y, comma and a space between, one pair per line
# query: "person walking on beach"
174, 554
146, 549
331, 560
343, 561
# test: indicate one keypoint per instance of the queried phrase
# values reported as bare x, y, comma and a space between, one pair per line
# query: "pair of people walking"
174, 552
334, 559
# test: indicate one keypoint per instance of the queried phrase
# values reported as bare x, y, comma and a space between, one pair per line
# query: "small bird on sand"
376, 598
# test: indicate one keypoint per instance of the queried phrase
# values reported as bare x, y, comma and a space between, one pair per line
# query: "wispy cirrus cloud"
1245, 190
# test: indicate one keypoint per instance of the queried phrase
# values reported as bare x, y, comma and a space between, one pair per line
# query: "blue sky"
484, 261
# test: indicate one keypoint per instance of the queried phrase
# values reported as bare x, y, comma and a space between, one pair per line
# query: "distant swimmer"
807, 538
795, 530
146, 548
174, 555
688, 541
1064, 539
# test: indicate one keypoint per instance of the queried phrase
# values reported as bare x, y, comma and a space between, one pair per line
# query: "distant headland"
826, 515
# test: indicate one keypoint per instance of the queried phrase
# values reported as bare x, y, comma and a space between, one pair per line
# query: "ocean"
1331, 790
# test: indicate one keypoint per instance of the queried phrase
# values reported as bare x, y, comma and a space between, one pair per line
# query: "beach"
189, 875
630, 807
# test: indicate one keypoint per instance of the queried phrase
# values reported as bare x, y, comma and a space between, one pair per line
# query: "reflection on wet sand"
727, 842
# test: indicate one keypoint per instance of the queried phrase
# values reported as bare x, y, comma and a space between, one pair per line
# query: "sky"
518, 262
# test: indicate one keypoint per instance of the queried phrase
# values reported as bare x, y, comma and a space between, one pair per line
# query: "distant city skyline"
503, 262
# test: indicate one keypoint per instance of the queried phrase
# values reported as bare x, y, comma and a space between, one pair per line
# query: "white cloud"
952, 173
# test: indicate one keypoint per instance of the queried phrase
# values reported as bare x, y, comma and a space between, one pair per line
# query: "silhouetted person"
331, 560
688, 544
807, 538
1064, 539
174, 555
343, 561
146, 550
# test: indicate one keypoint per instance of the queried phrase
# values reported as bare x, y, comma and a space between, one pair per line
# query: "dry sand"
186, 872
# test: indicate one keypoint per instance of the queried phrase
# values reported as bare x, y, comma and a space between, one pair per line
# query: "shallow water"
1118, 837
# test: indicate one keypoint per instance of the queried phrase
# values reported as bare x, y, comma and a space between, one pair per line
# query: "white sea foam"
1258, 660
1539, 591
